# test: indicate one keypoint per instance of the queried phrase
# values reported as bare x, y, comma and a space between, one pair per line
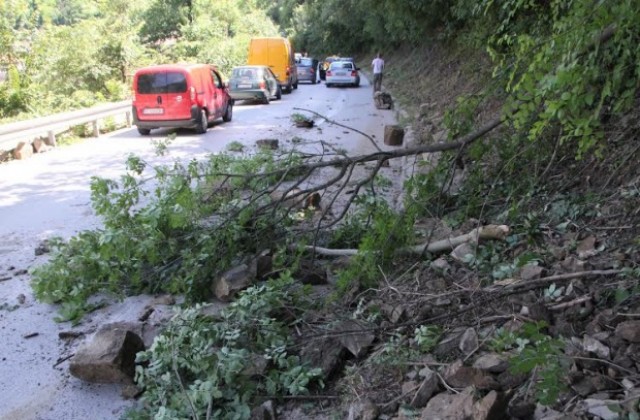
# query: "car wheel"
265, 100
295, 85
203, 122
328, 85
279, 93
228, 113
144, 131
313, 82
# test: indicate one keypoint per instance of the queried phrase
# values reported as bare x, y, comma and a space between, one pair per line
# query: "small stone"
234, 280
411, 375
531, 272
592, 345
37, 145
23, 151
427, 388
363, 410
357, 343
265, 411
468, 341
440, 265
491, 362
600, 408
463, 253
587, 248
450, 406
492, 406
629, 330
130, 391
42, 248
272, 144
459, 376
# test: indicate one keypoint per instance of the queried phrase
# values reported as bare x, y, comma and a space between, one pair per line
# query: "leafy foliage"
202, 366
171, 237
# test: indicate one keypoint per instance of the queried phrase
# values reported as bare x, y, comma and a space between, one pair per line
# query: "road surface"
49, 195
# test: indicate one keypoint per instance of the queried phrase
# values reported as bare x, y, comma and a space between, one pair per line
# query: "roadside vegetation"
62, 55
555, 84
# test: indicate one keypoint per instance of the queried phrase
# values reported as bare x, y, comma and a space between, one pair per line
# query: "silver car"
307, 69
342, 73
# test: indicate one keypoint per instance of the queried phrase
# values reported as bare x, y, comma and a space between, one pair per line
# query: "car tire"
228, 113
279, 93
313, 82
328, 85
265, 100
203, 122
295, 85
144, 131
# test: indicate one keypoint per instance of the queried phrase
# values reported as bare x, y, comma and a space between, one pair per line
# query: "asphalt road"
49, 195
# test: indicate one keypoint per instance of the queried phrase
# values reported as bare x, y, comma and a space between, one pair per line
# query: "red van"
179, 95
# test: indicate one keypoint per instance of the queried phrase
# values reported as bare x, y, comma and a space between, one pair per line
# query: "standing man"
378, 68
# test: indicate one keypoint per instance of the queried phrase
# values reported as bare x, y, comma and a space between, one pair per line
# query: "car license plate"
341, 73
153, 111
245, 86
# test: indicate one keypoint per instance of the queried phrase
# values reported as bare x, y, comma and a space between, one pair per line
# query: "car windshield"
162, 82
245, 73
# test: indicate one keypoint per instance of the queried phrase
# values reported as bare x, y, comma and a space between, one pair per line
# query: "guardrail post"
128, 117
51, 138
96, 128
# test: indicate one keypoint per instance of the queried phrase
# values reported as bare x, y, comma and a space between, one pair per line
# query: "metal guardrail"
25, 131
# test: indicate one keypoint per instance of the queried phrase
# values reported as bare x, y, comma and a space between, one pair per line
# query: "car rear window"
246, 73
306, 62
341, 65
162, 82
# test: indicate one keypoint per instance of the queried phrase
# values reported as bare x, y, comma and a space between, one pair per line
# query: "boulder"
23, 151
110, 356
393, 135
233, 281
38, 145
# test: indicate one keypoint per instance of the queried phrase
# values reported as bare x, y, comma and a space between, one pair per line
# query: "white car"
342, 73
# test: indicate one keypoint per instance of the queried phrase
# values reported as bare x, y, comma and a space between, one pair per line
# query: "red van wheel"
228, 113
203, 124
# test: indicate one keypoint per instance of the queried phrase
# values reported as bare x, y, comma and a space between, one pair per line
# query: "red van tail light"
192, 93
312, 70
354, 73
262, 84
328, 72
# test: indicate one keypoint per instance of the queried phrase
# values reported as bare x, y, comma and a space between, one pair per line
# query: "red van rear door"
163, 95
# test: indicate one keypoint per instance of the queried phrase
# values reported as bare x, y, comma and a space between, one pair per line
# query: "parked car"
278, 55
179, 96
307, 69
342, 73
254, 83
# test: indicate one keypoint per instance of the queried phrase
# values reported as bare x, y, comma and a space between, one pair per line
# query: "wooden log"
393, 135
